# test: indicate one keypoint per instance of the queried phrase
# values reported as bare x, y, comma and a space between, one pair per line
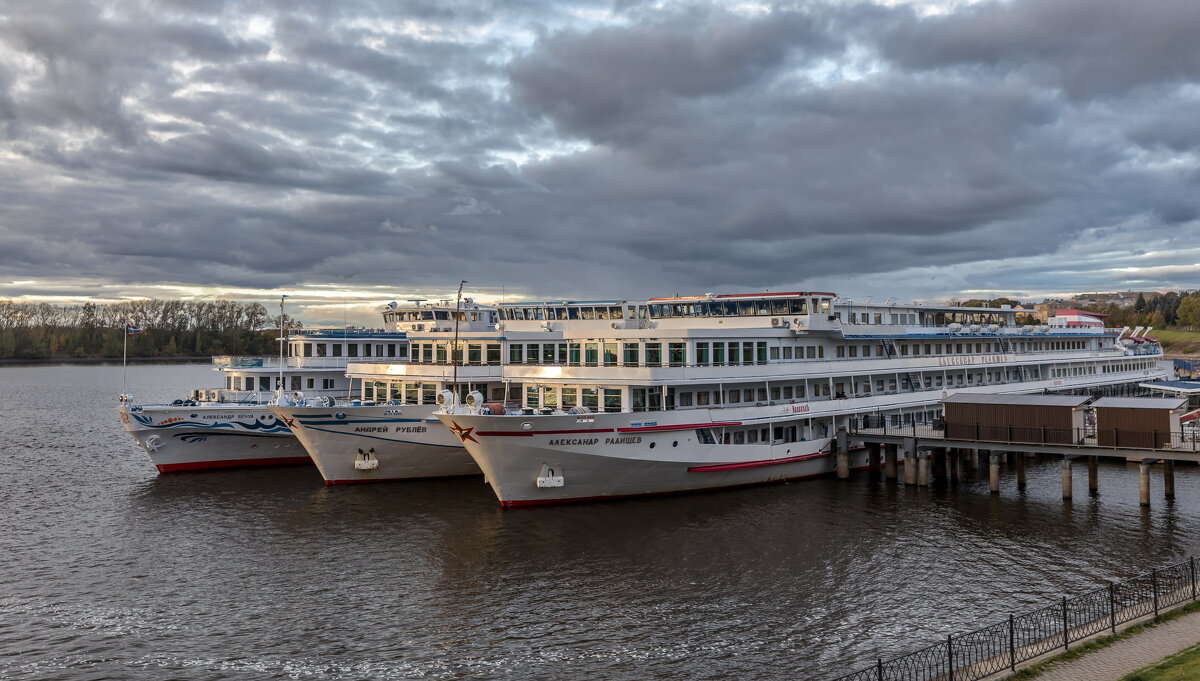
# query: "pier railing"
1000, 647
1184, 439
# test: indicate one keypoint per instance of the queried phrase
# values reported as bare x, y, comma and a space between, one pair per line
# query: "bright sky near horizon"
354, 152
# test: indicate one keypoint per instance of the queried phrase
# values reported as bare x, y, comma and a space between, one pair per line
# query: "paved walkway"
1130, 654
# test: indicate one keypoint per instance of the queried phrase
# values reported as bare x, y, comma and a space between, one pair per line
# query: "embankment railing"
1001, 646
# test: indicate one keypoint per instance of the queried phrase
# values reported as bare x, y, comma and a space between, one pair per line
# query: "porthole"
675, 443
651, 445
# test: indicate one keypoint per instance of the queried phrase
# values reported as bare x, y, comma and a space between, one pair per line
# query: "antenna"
282, 339
454, 351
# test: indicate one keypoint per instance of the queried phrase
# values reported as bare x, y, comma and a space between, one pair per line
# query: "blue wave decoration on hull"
268, 425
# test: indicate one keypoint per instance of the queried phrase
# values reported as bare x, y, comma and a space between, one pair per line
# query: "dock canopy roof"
1018, 400
1171, 403
1177, 387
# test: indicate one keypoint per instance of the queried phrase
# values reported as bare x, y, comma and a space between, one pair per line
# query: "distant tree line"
172, 328
1170, 309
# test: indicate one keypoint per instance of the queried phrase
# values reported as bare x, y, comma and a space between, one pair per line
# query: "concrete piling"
923, 469
842, 459
910, 467
1144, 483
954, 464
1020, 470
994, 472
873, 460
972, 459
1066, 479
889, 461
1169, 479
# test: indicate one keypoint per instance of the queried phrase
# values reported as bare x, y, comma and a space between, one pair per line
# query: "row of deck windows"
266, 383
741, 308
574, 312
351, 349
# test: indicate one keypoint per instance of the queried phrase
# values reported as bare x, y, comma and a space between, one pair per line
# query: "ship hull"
353, 445
605, 459
202, 437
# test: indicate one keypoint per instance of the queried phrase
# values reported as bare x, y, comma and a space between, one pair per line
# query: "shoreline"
105, 360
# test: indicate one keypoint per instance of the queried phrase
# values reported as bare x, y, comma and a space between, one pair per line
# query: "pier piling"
1021, 470
842, 459
1093, 476
1144, 483
889, 461
873, 460
994, 472
1066, 479
923, 469
910, 467
1169, 479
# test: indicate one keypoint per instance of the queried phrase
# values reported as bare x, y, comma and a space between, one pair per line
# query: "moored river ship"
691, 393
231, 426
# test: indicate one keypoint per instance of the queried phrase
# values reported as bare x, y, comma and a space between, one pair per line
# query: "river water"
108, 570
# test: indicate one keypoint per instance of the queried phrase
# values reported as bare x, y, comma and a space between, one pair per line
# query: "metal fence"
1000, 647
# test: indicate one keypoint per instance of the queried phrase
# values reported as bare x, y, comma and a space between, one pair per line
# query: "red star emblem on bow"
463, 434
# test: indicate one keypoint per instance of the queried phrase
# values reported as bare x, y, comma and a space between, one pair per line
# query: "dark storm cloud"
596, 149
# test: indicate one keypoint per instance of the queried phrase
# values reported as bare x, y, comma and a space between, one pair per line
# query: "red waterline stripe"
682, 426
531, 433
235, 463
754, 464
525, 503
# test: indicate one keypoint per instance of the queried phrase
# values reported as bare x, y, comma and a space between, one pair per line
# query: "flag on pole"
131, 329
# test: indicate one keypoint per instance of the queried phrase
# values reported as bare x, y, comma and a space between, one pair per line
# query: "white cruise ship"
390, 433
231, 426
679, 394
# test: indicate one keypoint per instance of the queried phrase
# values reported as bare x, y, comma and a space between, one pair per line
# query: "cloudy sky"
351, 152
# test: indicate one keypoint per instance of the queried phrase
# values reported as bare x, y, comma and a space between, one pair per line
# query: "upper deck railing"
269, 362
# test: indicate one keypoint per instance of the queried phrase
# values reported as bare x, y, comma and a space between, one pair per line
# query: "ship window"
774, 352
746, 308
705, 436
570, 397
787, 352
775, 393
718, 354
562, 353
426, 351
591, 398
531, 353
610, 354
396, 392
440, 354
591, 354
677, 354
811, 352
310, 383
653, 354
780, 306
549, 397
735, 396
337, 349
589, 313
573, 354
366, 349
735, 356
320, 349
761, 350
787, 392
841, 351
702, 399
798, 306
515, 353
531, 396
639, 399
474, 354
739, 438
631, 354
685, 399
615, 313
493, 354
